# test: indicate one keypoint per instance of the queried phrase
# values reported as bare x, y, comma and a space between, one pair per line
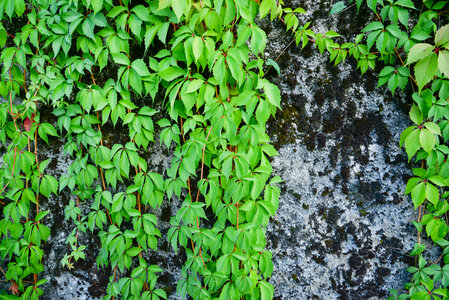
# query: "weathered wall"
343, 223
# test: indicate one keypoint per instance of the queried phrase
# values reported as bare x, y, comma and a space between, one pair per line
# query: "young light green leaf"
427, 140
178, 7
434, 128
171, 73
432, 194
425, 70
140, 67
273, 93
418, 52
442, 35
443, 62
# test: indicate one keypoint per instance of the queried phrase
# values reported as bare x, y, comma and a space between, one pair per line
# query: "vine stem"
37, 166
10, 103
101, 143
202, 163
191, 199
403, 64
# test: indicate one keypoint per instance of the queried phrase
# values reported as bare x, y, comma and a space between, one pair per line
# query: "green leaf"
142, 12
412, 144
405, 3
418, 249
171, 73
19, 6
49, 129
197, 47
134, 251
140, 67
337, 7
438, 180
273, 93
416, 115
266, 290
163, 4
442, 35
178, 7
443, 62
427, 140
120, 58
150, 33
274, 64
418, 52
135, 24
114, 12
97, 5
52, 183
88, 28
433, 128
265, 7
386, 71
373, 26
425, 70
419, 194
432, 194
195, 85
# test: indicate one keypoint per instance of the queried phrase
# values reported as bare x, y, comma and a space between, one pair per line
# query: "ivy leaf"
427, 140
418, 52
418, 194
425, 70
163, 4
412, 144
438, 180
373, 26
266, 290
337, 7
197, 47
140, 67
416, 115
405, 3
142, 12
258, 40
178, 7
150, 33
443, 62
264, 8
434, 128
135, 24
19, 6
88, 28
274, 64
442, 35
97, 5
171, 73
45, 129
273, 93
133, 251
195, 85
418, 249
432, 194
120, 58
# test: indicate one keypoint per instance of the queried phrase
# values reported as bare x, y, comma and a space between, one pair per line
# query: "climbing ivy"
193, 60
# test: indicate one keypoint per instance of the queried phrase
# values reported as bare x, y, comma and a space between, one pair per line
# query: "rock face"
343, 224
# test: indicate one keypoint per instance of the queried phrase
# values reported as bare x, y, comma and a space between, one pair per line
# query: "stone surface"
343, 224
